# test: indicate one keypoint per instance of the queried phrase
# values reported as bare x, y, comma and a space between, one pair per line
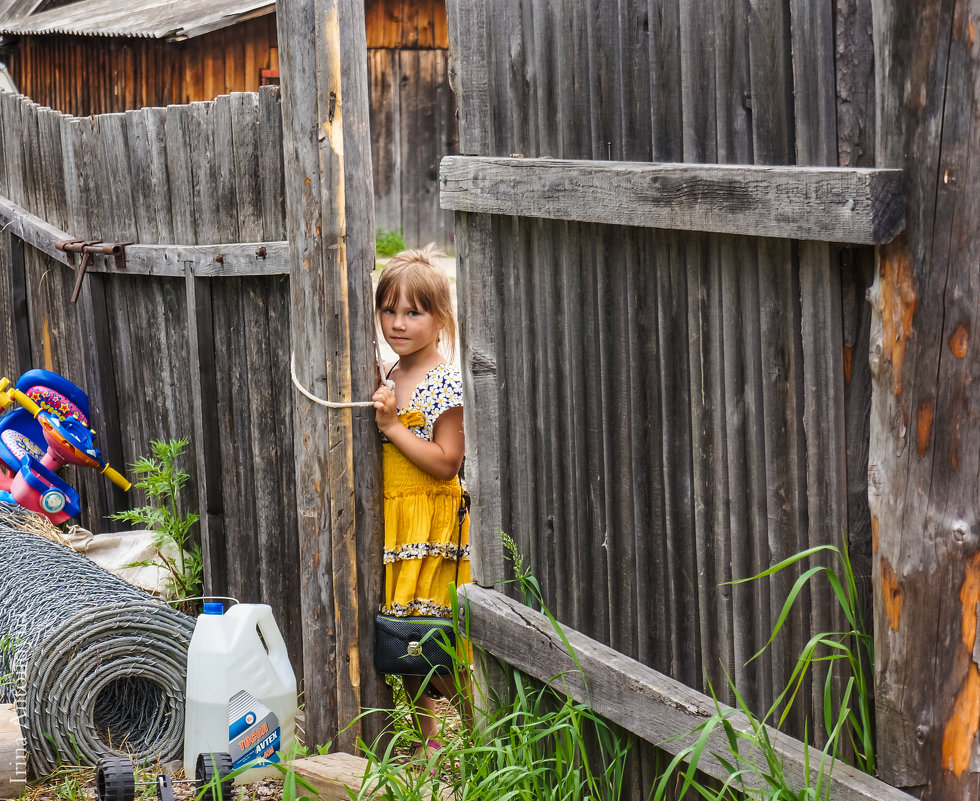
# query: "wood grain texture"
923, 460
319, 203
13, 756
164, 260
81, 74
828, 204
663, 405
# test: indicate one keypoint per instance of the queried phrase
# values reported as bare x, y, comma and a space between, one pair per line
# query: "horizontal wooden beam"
31, 229
851, 206
641, 700
207, 261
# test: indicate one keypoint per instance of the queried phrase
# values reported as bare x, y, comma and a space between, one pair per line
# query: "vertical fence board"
821, 318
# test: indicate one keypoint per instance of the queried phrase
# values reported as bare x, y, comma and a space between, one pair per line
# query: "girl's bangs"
416, 284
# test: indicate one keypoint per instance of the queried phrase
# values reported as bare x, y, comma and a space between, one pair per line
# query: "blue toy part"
53, 381
55, 493
22, 424
75, 432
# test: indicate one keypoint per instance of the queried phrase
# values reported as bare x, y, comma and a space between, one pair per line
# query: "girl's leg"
457, 690
423, 708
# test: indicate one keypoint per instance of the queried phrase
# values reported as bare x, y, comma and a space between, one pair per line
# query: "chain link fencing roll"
96, 665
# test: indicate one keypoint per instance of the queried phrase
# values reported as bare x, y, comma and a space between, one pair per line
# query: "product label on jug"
253, 730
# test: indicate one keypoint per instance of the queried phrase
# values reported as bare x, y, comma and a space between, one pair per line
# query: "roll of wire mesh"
98, 666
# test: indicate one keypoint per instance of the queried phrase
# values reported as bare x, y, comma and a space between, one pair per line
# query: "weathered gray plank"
365, 589
231, 259
477, 300
778, 301
468, 72
648, 703
815, 118
829, 204
95, 349
270, 164
316, 223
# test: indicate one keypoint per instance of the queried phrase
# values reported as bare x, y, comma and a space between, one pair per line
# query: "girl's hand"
385, 410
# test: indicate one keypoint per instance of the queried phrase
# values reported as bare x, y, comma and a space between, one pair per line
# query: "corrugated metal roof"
151, 19
14, 9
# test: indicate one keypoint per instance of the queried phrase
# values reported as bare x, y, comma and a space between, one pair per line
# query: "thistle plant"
162, 480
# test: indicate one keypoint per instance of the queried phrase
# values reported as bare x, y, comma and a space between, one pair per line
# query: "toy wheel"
115, 779
211, 773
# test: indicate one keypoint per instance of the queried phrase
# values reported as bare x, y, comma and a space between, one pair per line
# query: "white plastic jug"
241, 690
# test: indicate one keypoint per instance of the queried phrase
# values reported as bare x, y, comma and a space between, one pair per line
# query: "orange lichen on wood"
959, 343
923, 427
848, 357
892, 594
961, 728
898, 303
874, 534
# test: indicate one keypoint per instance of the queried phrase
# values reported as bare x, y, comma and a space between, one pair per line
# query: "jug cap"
214, 608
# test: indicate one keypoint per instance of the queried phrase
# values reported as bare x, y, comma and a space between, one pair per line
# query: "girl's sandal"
421, 753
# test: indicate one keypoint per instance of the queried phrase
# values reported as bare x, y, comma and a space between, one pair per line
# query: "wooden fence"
188, 338
658, 411
413, 125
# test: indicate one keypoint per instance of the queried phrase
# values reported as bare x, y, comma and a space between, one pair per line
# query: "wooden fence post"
330, 227
924, 458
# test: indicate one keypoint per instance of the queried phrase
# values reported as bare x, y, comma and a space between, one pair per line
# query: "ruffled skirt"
423, 538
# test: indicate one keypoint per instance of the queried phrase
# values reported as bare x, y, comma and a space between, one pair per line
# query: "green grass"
539, 743
754, 767
388, 243
848, 654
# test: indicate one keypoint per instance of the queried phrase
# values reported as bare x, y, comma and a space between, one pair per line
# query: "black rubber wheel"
211, 775
115, 779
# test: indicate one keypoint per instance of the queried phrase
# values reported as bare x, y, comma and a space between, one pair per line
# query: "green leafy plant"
162, 480
388, 243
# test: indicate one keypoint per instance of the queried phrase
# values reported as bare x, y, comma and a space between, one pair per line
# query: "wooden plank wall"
82, 75
413, 125
413, 117
161, 358
671, 410
413, 109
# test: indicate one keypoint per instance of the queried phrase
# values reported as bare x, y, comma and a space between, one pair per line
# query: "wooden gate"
658, 328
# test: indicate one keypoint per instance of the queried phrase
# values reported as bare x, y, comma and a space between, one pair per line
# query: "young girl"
421, 423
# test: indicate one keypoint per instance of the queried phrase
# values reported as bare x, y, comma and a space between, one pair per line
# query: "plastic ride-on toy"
48, 430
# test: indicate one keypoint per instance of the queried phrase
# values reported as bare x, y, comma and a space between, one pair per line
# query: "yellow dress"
422, 527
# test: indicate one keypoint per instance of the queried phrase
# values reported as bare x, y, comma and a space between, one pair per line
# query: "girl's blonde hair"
425, 286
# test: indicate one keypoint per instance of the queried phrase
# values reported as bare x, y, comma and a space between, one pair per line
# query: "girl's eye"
387, 311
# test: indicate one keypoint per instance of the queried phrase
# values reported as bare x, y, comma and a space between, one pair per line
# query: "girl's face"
408, 329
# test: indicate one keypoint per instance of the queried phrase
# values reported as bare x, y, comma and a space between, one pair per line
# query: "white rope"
321, 401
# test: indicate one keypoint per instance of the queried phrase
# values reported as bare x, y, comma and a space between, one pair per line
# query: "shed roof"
151, 19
